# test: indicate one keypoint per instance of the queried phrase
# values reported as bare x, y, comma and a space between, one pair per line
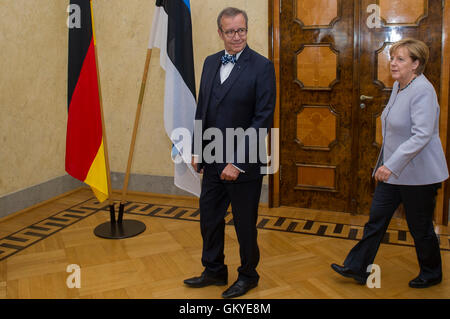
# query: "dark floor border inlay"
286, 224
30, 235
18, 241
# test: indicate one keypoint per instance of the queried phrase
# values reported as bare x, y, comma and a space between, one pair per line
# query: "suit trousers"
215, 198
419, 203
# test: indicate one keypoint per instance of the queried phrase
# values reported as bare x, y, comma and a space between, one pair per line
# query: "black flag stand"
121, 228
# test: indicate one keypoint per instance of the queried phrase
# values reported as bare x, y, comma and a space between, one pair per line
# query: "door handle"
365, 97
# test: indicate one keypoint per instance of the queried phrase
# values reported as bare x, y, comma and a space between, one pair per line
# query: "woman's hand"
382, 174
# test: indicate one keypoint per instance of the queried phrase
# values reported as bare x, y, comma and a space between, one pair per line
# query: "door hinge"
281, 3
280, 172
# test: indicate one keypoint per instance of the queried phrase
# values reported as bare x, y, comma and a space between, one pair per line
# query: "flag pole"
111, 230
133, 138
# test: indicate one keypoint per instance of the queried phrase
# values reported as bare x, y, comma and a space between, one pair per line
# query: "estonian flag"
172, 33
85, 155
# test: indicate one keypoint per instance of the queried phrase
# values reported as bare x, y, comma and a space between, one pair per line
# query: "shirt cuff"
240, 170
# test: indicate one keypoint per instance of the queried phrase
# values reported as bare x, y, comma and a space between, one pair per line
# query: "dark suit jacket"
247, 101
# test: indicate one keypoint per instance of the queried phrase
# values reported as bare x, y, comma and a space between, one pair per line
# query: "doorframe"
442, 200
274, 56
444, 127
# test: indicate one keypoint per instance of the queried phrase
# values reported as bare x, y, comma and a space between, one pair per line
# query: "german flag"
85, 154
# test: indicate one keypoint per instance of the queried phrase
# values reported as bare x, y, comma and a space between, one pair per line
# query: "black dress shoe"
347, 272
424, 283
239, 288
206, 280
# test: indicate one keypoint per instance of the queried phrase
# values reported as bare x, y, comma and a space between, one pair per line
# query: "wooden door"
332, 52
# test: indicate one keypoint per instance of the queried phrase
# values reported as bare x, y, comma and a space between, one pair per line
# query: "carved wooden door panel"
399, 19
332, 52
316, 71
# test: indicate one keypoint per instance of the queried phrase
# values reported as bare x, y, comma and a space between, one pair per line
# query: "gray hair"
231, 12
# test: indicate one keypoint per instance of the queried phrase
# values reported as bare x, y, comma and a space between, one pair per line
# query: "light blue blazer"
412, 149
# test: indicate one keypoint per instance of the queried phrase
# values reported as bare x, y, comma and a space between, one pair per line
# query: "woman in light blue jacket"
409, 170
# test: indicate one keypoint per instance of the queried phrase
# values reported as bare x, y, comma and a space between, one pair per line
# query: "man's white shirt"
226, 69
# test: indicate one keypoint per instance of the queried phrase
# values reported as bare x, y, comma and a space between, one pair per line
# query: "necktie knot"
228, 58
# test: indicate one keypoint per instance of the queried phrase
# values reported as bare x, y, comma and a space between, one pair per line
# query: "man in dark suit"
237, 92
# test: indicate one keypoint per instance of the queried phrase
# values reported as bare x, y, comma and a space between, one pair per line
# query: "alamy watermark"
374, 279
74, 279
74, 18
374, 19
235, 146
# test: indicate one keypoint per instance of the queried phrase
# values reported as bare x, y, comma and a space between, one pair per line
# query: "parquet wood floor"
297, 247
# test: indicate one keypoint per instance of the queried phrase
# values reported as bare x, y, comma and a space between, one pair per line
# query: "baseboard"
34, 195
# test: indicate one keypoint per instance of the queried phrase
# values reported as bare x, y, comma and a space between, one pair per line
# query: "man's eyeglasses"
230, 33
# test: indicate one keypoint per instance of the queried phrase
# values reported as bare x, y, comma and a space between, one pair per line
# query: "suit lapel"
210, 80
239, 67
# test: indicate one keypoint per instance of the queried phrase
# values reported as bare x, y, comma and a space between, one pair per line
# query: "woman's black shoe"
347, 272
424, 283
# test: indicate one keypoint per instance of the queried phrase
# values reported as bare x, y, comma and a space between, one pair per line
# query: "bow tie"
228, 58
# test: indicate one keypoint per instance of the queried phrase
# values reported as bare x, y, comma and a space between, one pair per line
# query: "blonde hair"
417, 49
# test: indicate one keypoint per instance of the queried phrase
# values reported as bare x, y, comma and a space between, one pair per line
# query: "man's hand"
382, 174
194, 164
229, 173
